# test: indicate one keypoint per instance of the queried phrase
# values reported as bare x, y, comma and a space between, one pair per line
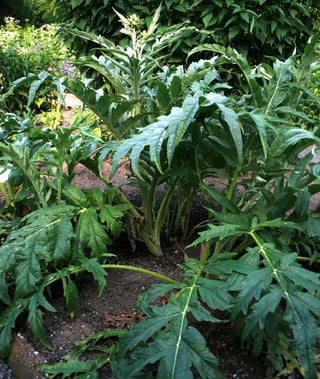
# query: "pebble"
5, 371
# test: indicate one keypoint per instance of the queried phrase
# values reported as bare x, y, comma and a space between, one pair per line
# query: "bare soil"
115, 307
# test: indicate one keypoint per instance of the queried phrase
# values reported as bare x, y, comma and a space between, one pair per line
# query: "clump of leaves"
267, 294
65, 231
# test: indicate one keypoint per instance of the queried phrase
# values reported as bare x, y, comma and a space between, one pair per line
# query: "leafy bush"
314, 85
257, 29
257, 255
27, 50
32, 12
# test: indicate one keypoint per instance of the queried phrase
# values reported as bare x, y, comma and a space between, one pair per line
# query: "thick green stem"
206, 248
237, 173
232, 185
306, 259
202, 185
10, 191
38, 192
121, 267
142, 271
161, 216
148, 196
59, 184
154, 248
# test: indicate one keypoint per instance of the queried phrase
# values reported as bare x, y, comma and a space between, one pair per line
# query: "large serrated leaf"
179, 123
35, 319
302, 277
214, 293
71, 295
7, 323
171, 127
305, 328
176, 346
110, 214
75, 196
277, 89
267, 304
28, 271
61, 241
219, 232
250, 289
87, 369
163, 96
4, 294
232, 120
99, 273
91, 233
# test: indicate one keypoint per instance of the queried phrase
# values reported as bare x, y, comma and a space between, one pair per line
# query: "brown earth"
115, 307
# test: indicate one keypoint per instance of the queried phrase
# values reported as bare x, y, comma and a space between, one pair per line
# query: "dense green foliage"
29, 12
256, 28
314, 86
27, 50
176, 126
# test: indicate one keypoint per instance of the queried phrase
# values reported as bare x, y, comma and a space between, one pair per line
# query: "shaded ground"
115, 307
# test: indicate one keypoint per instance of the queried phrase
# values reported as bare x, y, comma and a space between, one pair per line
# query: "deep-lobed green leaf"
219, 232
35, 321
71, 294
163, 96
305, 328
7, 323
302, 277
177, 348
214, 293
61, 241
75, 196
267, 304
250, 288
4, 294
91, 233
170, 128
87, 369
170, 340
28, 271
99, 273
111, 215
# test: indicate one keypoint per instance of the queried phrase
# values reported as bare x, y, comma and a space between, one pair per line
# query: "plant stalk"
122, 267
5, 195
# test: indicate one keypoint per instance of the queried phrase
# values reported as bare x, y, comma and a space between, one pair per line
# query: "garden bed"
115, 307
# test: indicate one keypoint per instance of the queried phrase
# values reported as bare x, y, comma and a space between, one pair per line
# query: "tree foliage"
32, 12
256, 28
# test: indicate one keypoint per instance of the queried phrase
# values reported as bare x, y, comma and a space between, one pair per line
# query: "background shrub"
256, 28
27, 50
36, 12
